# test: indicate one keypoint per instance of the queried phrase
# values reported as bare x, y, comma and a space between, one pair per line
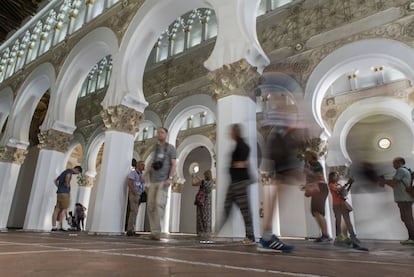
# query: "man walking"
161, 175
63, 196
136, 182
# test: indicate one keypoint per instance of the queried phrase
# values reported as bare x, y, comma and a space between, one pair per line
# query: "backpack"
200, 198
410, 189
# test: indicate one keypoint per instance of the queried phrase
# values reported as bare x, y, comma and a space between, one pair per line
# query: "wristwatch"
170, 177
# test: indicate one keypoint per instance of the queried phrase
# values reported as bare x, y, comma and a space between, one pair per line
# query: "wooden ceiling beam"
13, 13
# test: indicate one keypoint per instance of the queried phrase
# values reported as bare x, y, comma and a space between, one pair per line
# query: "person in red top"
341, 209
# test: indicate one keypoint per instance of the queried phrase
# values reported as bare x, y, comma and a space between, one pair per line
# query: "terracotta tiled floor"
80, 254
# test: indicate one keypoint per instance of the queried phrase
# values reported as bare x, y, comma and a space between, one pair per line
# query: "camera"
157, 165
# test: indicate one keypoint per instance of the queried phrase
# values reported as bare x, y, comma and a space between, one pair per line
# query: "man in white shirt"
136, 182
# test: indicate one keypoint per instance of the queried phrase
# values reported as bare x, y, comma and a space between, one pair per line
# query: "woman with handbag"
204, 204
341, 208
317, 189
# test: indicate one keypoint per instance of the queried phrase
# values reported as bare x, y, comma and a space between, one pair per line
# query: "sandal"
247, 241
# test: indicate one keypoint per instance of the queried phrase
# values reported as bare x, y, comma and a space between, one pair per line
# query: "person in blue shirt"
398, 183
63, 196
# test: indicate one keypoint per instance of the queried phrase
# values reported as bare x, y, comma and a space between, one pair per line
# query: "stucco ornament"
54, 140
239, 78
121, 118
12, 155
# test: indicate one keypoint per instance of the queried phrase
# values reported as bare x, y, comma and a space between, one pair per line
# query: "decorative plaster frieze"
306, 19
207, 130
54, 140
333, 106
239, 78
122, 17
12, 155
160, 81
121, 118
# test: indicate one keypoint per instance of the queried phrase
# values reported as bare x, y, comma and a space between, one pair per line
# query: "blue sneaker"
273, 245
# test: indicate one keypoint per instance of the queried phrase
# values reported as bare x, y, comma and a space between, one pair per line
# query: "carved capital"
239, 78
265, 179
54, 140
317, 145
121, 118
88, 181
177, 187
342, 170
12, 155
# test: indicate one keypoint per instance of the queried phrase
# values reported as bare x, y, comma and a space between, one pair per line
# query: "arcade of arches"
104, 77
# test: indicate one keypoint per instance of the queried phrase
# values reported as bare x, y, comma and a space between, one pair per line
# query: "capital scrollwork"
121, 118
316, 145
177, 187
88, 181
12, 155
54, 140
239, 78
342, 170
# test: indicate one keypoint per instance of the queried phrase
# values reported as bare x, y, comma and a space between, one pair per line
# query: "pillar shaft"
53, 144
233, 87
11, 159
108, 213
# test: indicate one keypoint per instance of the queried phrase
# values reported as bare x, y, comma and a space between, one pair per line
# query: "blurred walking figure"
399, 183
341, 208
240, 181
287, 169
204, 206
314, 175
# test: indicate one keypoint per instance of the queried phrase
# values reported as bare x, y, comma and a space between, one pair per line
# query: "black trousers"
237, 193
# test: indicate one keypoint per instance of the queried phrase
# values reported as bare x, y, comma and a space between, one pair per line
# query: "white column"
175, 212
236, 109
140, 223
9, 172
84, 194
108, 215
11, 159
53, 144
43, 195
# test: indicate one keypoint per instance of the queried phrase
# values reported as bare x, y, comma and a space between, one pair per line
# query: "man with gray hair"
136, 183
